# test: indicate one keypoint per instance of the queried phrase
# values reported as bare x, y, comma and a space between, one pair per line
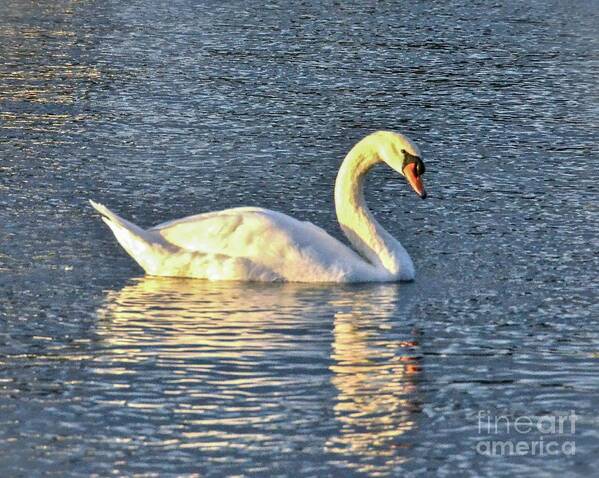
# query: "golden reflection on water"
223, 318
375, 377
41, 65
371, 366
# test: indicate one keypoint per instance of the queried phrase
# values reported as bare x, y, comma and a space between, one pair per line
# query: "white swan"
255, 244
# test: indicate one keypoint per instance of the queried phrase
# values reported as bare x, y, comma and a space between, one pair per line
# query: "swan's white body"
255, 244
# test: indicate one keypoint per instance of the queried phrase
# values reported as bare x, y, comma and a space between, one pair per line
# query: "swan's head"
404, 156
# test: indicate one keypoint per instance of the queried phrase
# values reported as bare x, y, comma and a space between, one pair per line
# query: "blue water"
165, 109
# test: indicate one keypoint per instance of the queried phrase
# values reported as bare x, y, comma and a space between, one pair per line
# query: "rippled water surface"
164, 109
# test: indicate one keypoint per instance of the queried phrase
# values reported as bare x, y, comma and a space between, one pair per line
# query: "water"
163, 109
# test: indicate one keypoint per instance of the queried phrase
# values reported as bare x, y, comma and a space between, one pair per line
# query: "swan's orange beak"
415, 181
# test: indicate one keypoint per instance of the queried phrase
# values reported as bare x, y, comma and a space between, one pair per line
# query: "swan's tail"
140, 244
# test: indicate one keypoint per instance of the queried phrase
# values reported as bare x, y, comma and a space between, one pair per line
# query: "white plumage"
255, 244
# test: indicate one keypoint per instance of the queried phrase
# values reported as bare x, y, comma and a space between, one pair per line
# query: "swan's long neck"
359, 225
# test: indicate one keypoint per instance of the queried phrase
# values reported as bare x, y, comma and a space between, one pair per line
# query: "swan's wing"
268, 236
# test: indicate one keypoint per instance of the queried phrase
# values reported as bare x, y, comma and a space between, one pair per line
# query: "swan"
256, 244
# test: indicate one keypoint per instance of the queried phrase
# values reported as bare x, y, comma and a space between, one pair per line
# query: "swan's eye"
418, 164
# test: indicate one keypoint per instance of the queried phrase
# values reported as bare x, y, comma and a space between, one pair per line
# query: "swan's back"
266, 242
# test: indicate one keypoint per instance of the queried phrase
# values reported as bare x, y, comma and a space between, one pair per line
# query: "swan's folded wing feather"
266, 241
241, 232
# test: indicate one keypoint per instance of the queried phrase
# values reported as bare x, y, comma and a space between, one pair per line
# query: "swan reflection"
374, 371
257, 366
192, 317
